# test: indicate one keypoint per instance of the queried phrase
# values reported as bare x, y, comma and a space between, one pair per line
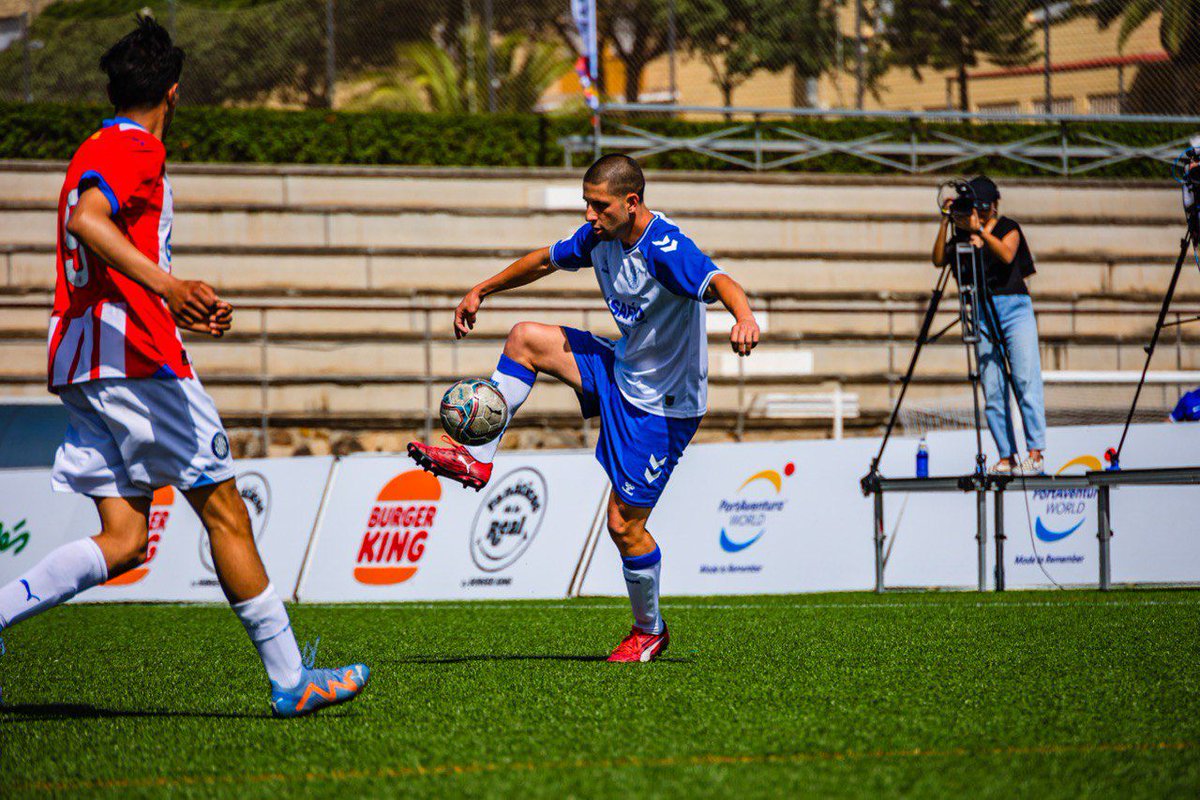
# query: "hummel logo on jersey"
628, 487
654, 471
666, 244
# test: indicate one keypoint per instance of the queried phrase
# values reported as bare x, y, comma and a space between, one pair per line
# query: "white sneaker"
1031, 466
1002, 467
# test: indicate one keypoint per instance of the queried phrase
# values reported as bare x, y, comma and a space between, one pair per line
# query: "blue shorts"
637, 449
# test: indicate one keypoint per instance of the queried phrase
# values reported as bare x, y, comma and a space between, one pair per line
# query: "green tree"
431, 76
797, 35
1178, 31
637, 31
952, 35
721, 33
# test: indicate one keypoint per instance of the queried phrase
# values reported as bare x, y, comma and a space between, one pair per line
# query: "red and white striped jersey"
104, 324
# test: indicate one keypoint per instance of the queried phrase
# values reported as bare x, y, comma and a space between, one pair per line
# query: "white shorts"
127, 437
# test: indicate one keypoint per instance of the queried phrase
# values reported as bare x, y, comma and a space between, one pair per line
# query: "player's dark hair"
622, 174
142, 67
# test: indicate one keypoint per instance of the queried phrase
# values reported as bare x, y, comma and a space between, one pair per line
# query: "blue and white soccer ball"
474, 412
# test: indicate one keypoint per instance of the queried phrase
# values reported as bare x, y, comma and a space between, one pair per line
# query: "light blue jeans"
1018, 329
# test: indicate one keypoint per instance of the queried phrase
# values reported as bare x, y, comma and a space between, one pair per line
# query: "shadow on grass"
46, 712
509, 657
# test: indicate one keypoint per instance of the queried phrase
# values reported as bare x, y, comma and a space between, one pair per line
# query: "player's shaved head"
620, 173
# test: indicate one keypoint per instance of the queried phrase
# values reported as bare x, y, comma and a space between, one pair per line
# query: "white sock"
266, 622
515, 382
62, 574
641, 579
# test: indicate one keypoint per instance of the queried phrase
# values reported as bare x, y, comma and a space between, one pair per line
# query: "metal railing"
755, 140
434, 313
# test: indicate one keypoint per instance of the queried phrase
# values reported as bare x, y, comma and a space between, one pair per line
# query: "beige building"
1088, 75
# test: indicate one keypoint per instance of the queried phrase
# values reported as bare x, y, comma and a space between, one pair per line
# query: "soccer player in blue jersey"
649, 388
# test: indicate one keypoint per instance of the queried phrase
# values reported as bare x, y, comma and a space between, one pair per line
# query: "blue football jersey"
1188, 407
655, 291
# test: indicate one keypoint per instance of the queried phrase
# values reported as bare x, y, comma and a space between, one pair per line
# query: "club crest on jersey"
625, 312
220, 445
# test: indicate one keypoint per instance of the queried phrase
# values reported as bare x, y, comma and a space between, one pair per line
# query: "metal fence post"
998, 569
264, 388
27, 56
981, 531
671, 44
330, 53
428, 345
488, 24
469, 86
878, 540
860, 47
1046, 52
1105, 536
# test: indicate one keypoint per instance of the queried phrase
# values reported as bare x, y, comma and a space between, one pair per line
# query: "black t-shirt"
1001, 278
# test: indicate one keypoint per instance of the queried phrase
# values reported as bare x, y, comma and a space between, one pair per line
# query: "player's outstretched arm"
193, 304
744, 336
522, 272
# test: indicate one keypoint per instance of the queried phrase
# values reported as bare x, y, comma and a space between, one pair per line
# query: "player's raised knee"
522, 340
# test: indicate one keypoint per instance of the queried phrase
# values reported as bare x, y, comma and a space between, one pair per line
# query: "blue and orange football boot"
319, 688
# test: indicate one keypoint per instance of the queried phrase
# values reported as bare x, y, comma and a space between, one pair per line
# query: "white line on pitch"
452, 605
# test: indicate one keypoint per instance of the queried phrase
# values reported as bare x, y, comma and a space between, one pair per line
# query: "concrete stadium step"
353, 320
348, 361
243, 396
392, 271
715, 231
526, 189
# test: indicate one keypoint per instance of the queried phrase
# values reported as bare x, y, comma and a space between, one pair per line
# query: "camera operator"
1007, 261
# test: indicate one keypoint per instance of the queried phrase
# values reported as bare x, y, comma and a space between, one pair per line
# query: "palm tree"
1179, 33
453, 78
1179, 30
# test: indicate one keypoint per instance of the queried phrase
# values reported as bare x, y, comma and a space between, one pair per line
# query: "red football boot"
453, 462
641, 646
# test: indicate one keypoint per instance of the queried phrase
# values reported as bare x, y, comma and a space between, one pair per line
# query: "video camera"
957, 198
1186, 171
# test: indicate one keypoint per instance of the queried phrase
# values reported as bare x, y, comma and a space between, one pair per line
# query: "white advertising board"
282, 496
789, 517
1051, 534
391, 531
771, 517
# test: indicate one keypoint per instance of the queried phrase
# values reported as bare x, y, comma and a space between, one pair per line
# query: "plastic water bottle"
922, 459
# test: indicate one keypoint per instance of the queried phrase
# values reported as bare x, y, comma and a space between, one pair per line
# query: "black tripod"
974, 301
1189, 241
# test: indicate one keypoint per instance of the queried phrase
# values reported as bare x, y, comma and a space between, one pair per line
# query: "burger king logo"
397, 529
160, 514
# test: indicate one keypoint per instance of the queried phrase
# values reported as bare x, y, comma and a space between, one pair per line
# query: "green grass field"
1042, 694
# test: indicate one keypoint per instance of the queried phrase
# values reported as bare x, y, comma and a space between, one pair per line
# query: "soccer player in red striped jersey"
139, 418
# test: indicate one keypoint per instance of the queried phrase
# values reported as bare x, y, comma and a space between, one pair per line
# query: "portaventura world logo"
397, 529
1065, 510
747, 514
